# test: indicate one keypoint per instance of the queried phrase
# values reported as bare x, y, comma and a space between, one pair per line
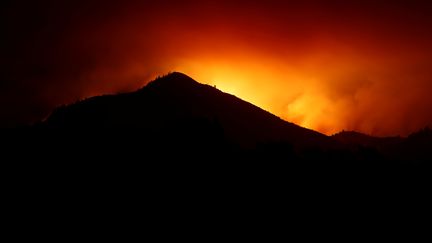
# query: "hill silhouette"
356, 138
175, 114
178, 105
175, 127
413, 149
178, 137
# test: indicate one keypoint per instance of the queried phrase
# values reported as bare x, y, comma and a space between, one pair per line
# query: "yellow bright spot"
281, 90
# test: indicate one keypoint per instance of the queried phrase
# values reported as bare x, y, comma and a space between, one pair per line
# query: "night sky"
327, 65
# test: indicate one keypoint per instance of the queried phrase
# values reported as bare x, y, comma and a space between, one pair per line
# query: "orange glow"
321, 92
327, 88
326, 65
294, 99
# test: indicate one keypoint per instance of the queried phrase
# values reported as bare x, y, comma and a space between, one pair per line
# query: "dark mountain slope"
415, 148
177, 133
356, 138
177, 105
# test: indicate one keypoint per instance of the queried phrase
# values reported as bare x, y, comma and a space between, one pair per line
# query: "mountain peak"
173, 80
176, 103
178, 75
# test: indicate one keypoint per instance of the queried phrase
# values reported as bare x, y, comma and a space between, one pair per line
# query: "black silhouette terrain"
413, 150
176, 110
176, 127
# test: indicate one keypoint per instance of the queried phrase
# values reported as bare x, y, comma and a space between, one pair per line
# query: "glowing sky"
327, 65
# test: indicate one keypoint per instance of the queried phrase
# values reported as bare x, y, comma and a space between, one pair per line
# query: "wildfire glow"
326, 65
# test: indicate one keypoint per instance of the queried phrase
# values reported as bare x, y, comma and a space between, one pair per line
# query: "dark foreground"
177, 146
190, 160
76, 184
